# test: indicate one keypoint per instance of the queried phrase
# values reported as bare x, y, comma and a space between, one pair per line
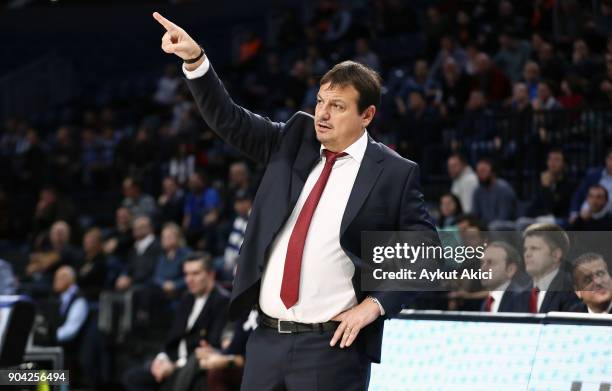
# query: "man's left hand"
353, 320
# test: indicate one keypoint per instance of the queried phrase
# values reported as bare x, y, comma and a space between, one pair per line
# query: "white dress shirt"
497, 295
325, 279
542, 284
144, 243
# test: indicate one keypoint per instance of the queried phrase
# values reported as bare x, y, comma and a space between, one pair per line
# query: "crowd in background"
110, 199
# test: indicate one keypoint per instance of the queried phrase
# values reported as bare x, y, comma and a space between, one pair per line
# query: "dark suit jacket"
208, 326
140, 268
385, 197
560, 296
512, 295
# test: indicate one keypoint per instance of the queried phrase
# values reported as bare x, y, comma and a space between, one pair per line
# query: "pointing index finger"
168, 25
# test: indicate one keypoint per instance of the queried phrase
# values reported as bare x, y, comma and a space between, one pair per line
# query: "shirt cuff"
380, 307
199, 71
162, 356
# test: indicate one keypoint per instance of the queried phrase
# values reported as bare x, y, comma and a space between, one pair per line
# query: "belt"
289, 327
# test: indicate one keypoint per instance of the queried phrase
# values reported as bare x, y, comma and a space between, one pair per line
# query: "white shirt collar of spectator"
142, 244
498, 293
543, 283
607, 311
357, 149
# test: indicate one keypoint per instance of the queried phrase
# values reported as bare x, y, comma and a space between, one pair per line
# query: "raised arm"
253, 135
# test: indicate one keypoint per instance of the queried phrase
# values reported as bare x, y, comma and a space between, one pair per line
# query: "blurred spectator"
8, 283
118, 241
551, 65
224, 367
552, 195
46, 260
449, 209
503, 261
239, 179
512, 55
73, 312
545, 99
478, 129
242, 209
531, 78
201, 208
455, 88
51, 207
73, 307
142, 258
490, 80
571, 93
592, 283
598, 175
167, 86
365, 55
603, 84
64, 160
448, 49
545, 247
91, 273
464, 180
596, 216
420, 81
168, 274
182, 164
138, 203
201, 316
171, 202
419, 128
494, 200
96, 159
29, 162
582, 63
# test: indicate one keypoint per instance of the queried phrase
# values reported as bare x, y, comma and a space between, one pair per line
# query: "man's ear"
557, 255
579, 294
368, 115
511, 270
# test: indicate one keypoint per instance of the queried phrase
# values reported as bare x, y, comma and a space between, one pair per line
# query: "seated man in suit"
503, 260
72, 316
201, 316
593, 284
545, 246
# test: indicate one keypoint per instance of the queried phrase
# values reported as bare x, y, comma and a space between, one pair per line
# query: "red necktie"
293, 261
489, 303
533, 300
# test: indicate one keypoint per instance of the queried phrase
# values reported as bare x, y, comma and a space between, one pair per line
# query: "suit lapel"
367, 175
307, 156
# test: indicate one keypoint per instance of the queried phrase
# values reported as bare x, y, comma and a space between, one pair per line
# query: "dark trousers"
302, 362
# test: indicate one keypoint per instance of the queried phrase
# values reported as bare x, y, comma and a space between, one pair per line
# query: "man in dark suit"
200, 316
545, 247
593, 284
301, 258
504, 289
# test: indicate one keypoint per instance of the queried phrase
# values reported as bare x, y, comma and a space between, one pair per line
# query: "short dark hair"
203, 257
558, 150
366, 81
490, 162
586, 258
598, 186
459, 156
554, 236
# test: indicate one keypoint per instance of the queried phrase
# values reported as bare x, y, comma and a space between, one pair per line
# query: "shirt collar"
543, 283
143, 243
498, 293
357, 149
68, 293
607, 311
